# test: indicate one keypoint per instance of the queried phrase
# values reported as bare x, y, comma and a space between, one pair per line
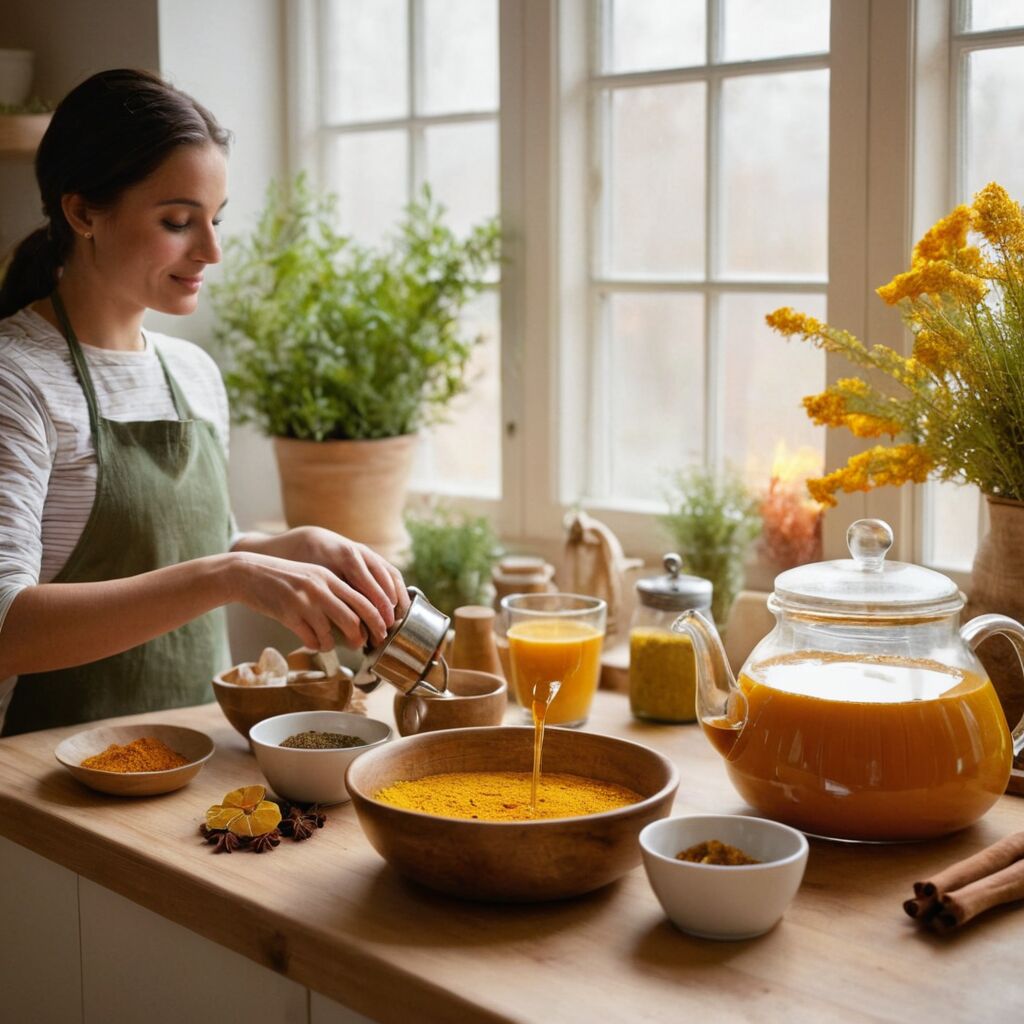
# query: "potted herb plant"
713, 519
451, 555
342, 352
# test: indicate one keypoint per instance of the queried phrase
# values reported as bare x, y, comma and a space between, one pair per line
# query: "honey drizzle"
543, 695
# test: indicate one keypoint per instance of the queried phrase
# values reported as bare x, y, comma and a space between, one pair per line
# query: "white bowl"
715, 901
312, 776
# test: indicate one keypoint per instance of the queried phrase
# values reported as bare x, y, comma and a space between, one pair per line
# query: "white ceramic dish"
724, 902
312, 776
193, 745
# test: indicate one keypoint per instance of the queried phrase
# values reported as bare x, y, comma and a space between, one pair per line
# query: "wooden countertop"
330, 914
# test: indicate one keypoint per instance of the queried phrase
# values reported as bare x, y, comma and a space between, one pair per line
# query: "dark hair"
107, 134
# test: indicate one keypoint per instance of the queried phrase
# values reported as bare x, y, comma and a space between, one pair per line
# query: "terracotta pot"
356, 488
997, 585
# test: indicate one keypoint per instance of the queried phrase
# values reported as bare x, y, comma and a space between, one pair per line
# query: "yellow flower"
876, 467
999, 218
831, 409
787, 321
934, 279
940, 353
943, 240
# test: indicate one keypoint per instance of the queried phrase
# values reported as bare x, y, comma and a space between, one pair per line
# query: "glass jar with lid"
662, 670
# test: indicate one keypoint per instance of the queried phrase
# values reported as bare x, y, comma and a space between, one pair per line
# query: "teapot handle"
980, 629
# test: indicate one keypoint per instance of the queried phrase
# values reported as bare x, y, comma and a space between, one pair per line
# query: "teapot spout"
721, 704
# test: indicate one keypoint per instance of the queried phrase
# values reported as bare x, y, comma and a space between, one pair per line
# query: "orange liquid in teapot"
900, 750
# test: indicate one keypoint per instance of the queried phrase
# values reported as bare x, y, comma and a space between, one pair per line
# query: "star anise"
302, 828
265, 842
226, 842
314, 814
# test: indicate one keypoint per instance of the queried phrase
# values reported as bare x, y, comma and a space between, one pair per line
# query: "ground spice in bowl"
505, 796
314, 740
714, 851
146, 754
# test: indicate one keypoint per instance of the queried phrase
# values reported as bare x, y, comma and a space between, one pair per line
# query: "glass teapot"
865, 714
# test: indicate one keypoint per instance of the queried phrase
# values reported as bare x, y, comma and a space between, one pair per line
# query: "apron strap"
181, 405
78, 359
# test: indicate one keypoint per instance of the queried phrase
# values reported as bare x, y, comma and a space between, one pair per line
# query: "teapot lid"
674, 591
866, 586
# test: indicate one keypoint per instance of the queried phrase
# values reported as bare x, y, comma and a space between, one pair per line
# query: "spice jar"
662, 670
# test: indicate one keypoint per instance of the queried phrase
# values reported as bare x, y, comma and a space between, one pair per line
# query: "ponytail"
31, 273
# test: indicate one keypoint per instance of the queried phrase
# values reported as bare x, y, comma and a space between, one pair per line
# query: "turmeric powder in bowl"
505, 796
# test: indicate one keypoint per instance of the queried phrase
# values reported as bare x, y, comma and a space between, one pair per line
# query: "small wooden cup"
478, 698
473, 647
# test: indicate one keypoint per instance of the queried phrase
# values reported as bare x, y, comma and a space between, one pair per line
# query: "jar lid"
866, 586
675, 591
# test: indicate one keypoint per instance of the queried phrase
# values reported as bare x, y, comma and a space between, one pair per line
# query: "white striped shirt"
47, 457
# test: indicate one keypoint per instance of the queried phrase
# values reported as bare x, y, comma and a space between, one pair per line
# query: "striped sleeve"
28, 444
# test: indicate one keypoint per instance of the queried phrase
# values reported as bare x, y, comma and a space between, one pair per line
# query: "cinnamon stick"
960, 906
987, 862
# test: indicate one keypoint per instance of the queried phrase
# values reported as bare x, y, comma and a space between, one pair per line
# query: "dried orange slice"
245, 813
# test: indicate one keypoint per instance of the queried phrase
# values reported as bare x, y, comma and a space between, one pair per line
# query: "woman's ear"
78, 214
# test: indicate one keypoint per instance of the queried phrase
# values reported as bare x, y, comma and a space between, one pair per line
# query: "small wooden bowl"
190, 743
244, 706
514, 861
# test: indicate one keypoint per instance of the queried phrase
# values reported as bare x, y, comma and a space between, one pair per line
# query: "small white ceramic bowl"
715, 901
312, 776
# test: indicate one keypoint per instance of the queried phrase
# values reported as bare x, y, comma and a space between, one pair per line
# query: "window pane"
462, 169
366, 69
754, 29
464, 454
646, 34
988, 14
656, 150
655, 409
764, 377
368, 170
995, 120
951, 537
774, 188
460, 46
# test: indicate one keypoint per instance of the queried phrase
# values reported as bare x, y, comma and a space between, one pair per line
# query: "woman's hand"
337, 581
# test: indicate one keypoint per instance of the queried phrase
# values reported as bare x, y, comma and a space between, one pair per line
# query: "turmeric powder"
146, 754
505, 796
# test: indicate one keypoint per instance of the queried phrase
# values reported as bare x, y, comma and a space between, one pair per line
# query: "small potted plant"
712, 520
451, 555
343, 352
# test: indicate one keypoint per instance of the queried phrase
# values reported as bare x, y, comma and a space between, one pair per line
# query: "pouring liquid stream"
543, 694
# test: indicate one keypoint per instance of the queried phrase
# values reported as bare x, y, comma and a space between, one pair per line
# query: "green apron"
161, 498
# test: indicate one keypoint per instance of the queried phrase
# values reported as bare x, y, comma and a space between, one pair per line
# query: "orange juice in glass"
555, 638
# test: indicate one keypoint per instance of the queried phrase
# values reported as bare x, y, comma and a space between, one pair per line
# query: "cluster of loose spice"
956, 404
962, 891
246, 820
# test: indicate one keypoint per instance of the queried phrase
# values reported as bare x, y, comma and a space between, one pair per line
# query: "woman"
117, 549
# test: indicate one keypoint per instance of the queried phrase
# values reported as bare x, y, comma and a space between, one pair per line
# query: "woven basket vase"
997, 585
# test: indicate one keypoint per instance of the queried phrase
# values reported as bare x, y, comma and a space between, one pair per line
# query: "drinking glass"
555, 637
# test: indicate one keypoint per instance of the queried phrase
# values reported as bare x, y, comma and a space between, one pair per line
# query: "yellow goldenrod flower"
933, 279
876, 467
999, 218
940, 353
943, 240
787, 321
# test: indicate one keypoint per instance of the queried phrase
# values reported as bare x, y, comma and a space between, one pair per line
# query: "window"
710, 131
986, 75
407, 95
669, 172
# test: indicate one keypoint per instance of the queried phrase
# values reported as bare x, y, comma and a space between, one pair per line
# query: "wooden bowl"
194, 745
244, 706
514, 861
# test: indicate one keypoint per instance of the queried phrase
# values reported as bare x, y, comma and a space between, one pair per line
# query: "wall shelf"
20, 133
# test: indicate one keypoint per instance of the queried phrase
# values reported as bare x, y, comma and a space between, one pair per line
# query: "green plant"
327, 339
712, 520
451, 556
